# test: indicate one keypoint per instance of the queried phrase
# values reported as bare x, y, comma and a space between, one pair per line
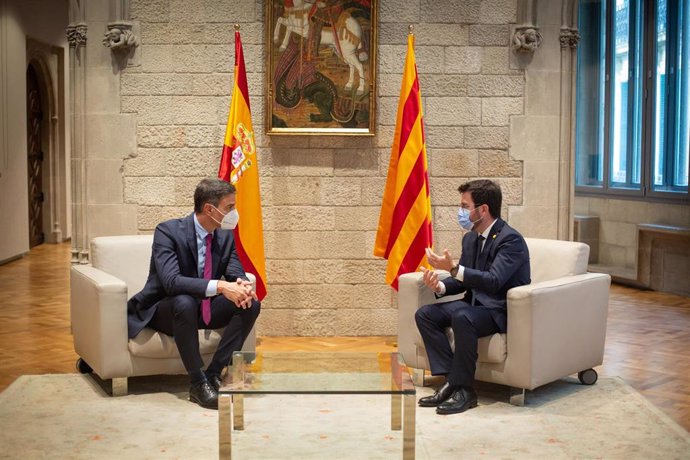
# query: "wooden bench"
663, 258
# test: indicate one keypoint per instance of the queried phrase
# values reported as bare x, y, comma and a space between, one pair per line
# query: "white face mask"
230, 219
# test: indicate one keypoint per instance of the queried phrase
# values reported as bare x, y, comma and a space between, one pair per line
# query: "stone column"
102, 136
111, 136
569, 37
76, 35
55, 183
534, 135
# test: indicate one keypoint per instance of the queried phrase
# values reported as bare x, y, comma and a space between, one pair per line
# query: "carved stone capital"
569, 38
76, 35
120, 37
526, 39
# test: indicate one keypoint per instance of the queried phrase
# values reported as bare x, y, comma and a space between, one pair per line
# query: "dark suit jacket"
502, 265
174, 268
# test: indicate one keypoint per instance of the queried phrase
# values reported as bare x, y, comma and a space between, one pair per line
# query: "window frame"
648, 45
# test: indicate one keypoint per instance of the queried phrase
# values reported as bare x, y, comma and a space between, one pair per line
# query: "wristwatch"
454, 271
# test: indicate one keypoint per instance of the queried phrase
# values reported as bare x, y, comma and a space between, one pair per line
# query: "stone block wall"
321, 194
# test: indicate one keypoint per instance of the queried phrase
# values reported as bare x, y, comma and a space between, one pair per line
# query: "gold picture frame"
321, 67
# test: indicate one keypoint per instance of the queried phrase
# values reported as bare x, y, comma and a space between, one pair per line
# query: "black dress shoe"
461, 400
214, 380
204, 395
437, 398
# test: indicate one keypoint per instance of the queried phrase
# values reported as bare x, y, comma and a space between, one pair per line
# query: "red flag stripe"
241, 70
417, 247
415, 253
250, 268
415, 181
225, 164
411, 111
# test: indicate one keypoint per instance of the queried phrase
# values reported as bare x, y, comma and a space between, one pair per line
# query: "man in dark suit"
494, 259
196, 281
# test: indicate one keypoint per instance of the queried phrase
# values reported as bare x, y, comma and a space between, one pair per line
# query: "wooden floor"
647, 344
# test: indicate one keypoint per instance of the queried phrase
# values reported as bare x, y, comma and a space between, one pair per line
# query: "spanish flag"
240, 167
405, 222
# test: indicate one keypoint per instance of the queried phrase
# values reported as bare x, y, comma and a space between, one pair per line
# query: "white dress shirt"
461, 270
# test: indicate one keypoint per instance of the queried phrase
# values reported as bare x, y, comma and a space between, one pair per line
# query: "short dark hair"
484, 191
211, 191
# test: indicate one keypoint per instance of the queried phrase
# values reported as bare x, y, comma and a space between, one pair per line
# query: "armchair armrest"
557, 327
98, 311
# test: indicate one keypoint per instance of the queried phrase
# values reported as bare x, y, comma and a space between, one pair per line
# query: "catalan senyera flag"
239, 166
404, 230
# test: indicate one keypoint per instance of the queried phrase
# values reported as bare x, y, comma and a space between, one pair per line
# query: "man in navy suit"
189, 288
494, 259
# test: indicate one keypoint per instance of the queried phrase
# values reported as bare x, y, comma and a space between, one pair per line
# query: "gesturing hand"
444, 262
430, 279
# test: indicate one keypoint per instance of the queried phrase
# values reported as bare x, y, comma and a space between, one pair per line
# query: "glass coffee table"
311, 373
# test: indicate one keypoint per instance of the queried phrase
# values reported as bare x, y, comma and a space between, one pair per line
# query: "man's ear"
205, 208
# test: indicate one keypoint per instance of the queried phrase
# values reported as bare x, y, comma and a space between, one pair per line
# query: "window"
633, 98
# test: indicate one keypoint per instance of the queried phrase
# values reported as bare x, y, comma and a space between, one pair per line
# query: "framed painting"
321, 69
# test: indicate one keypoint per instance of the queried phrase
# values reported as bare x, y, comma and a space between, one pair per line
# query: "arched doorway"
47, 157
34, 147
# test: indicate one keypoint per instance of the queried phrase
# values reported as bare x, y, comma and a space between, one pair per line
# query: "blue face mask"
464, 218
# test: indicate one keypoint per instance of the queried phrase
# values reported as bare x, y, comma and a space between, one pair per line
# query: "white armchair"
99, 293
556, 325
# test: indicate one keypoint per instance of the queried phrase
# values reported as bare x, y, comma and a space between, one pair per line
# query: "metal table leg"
224, 428
410, 406
396, 411
238, 412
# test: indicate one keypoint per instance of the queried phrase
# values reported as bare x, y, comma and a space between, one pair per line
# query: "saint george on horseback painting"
321, 66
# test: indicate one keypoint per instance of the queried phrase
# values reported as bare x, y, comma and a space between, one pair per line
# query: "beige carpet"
70, 416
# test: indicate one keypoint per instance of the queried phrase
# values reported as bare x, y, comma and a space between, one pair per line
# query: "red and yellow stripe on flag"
405, 222
239, 166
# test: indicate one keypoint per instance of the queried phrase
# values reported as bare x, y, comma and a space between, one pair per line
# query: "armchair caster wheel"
83, 367
588, 377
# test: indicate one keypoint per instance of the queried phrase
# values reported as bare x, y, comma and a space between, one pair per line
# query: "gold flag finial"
237, 27
411, 28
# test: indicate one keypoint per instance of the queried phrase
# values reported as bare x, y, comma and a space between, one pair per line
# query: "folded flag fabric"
404, 230
239, 166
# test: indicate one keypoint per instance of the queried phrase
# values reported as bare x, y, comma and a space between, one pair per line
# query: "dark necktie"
477, 255
208, 264
480, 247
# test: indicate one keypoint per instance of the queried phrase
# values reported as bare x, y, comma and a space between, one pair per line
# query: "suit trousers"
180, 317
468, 323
